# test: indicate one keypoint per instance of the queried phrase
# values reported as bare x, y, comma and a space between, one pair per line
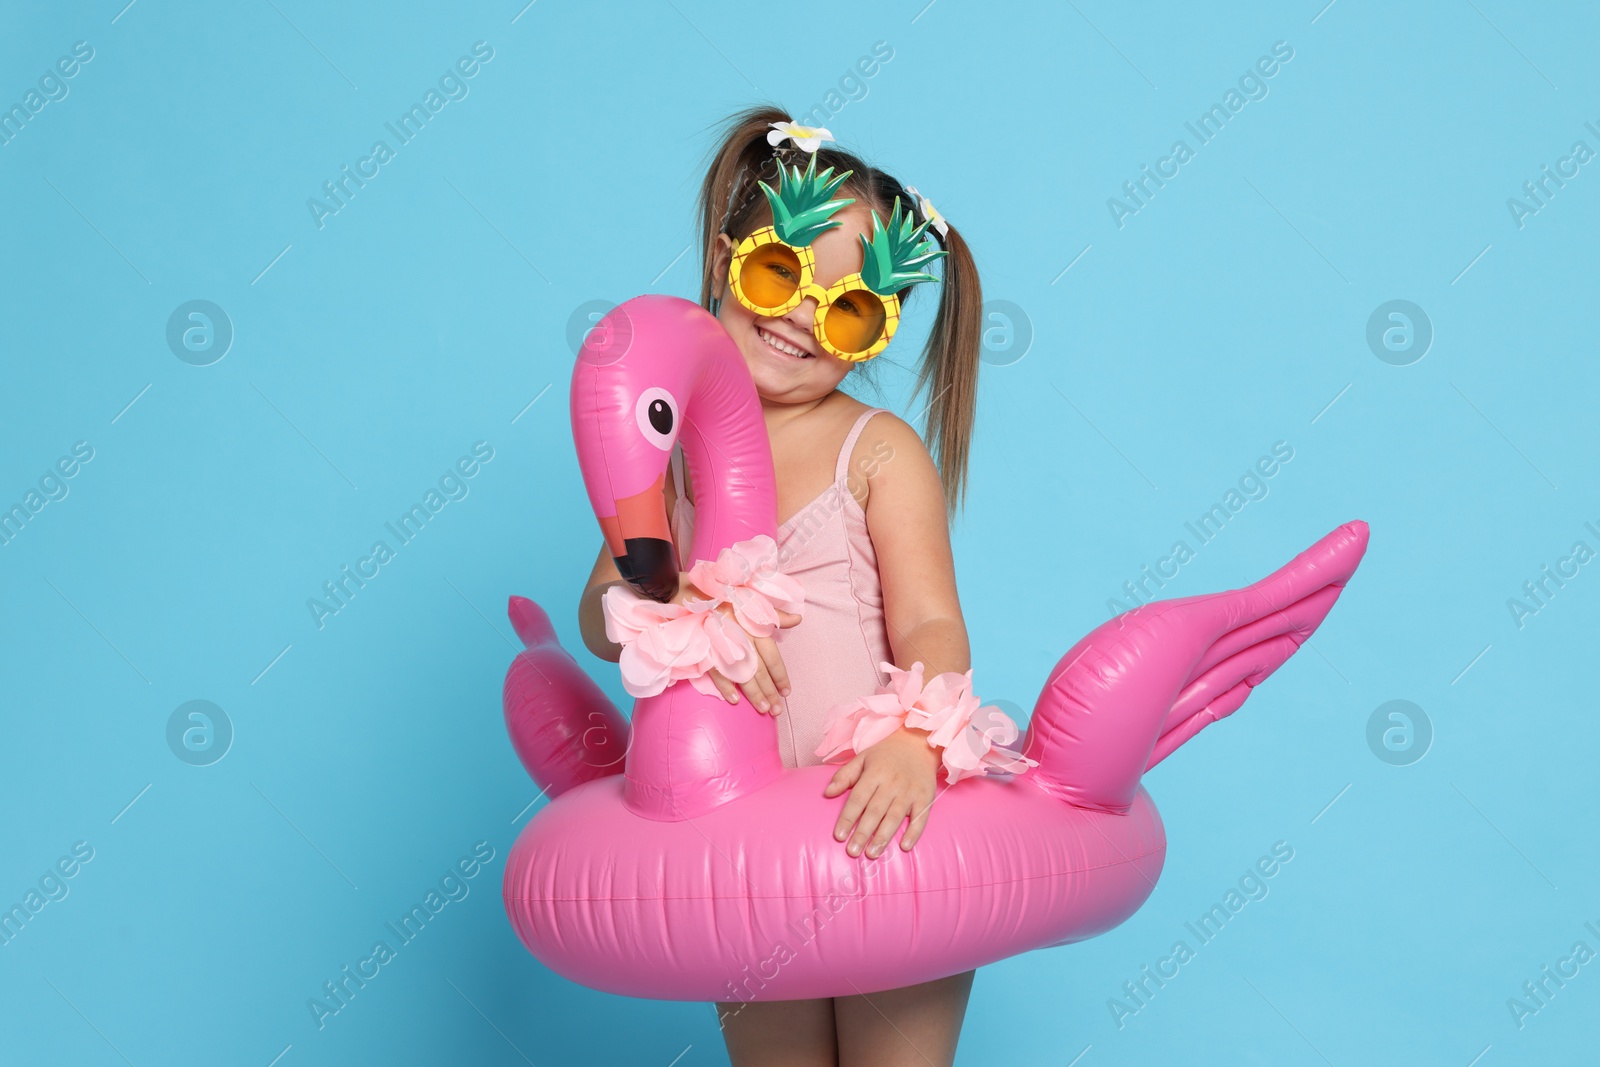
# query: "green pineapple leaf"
894, 257
802, 205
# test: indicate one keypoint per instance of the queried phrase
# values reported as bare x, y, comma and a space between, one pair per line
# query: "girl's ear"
721, 256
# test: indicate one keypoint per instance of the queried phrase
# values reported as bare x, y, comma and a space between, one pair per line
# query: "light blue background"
1228, 314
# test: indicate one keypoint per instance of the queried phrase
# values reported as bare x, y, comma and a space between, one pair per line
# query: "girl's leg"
780, 1033
917, 1026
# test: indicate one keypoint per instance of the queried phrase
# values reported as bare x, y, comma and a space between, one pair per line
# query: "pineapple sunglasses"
774, 269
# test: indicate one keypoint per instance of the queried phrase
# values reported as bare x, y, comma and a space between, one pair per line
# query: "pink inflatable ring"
684, 862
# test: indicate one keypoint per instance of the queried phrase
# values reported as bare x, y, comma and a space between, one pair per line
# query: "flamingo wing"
564, 729
1130, 693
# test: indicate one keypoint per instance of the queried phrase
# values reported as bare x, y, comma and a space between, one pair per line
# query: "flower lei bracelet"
667, 643
945, 707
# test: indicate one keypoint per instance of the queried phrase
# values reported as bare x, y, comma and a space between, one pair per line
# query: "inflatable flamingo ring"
690, 864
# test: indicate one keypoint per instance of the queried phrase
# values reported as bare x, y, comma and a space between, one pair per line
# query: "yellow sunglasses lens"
855, 320
770, 275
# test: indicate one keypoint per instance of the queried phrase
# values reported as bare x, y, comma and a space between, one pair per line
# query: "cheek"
738, 322
733, 315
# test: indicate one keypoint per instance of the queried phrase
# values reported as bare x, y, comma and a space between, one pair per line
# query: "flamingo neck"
729, 456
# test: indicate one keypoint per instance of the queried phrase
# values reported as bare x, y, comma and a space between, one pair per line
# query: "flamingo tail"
1130, 693
564, 729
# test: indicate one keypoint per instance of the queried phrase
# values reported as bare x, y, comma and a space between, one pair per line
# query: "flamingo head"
655, 369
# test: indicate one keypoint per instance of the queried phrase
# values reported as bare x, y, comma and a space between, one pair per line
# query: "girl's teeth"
782, 346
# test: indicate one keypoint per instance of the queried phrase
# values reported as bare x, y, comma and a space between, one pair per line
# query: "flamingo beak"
641, 543
651, 566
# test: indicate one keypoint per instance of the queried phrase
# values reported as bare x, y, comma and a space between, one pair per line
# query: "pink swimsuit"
832, 655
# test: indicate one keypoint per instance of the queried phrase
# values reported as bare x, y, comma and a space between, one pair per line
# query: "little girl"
864, 517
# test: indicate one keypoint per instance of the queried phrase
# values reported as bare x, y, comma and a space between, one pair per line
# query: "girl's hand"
770, 684
894, 778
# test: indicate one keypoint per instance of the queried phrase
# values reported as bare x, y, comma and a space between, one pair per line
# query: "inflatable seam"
919, 891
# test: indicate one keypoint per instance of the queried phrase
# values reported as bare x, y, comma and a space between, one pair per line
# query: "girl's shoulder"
884, 427
888, 449
882, 435
845, 410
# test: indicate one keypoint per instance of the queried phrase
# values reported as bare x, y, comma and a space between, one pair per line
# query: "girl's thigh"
915, 1026
780, 1033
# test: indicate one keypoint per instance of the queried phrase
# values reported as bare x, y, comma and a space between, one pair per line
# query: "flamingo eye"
657, 415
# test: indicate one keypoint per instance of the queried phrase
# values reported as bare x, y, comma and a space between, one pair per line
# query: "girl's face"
787, 363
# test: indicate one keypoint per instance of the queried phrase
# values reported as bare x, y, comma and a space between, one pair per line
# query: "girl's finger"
852, 810
758, 699
885, 832
844, 778
772, 659
729, 691
919, 822
876, 809
786, 620
760, 691
770, 685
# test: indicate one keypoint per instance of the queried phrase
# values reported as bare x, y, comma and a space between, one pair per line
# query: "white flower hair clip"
809, 138
929, 213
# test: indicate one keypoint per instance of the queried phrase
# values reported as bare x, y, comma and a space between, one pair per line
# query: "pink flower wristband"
667, 643
945, 708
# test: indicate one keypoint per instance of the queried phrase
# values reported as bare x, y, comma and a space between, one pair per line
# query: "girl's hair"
731, 202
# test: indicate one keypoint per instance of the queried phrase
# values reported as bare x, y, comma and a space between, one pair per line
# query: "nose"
804, 315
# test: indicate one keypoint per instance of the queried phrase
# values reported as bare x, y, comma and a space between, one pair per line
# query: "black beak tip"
650, 566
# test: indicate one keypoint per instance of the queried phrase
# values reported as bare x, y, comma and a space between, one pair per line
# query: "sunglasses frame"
808, 287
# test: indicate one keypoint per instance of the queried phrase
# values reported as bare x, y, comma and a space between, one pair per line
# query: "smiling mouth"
781, 346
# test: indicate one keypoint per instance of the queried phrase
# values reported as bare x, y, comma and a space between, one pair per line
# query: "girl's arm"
591, 620
910, 530
907, 520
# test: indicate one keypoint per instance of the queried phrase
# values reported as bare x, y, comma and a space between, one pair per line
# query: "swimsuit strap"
841, 468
